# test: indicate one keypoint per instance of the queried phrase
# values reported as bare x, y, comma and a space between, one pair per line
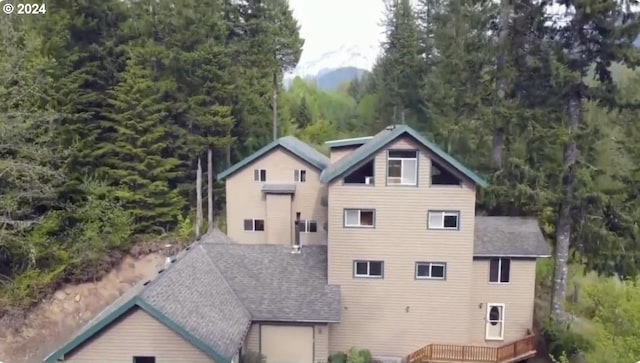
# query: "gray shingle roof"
213, 291
195, 295
383, 138
305, 152
276, 285
509, 237
279, 188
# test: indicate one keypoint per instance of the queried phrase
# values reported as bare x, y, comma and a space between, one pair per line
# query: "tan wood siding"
398, 314
245, 198
341, 152
321, 343
137, 334
252, 340
517, 296
286, 343
279, 223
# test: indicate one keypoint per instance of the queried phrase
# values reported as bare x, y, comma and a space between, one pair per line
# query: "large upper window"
402, 167
499, 270
359, 218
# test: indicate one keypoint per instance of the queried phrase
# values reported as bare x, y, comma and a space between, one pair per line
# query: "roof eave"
507, 255
133, 302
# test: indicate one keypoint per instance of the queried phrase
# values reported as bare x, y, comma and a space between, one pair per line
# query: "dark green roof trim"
183, 333
289, 143
356, 141
380, 141
133, 302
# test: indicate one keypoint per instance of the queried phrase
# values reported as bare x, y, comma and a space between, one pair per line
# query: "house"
378, 246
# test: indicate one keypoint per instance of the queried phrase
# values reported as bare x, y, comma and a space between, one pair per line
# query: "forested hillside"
106, 107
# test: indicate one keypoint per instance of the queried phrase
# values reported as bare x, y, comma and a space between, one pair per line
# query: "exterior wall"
320, 344
137, 334
518, 296
338, 153
245, 198
398, 314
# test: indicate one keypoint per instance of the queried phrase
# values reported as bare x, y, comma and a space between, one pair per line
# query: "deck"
518, 350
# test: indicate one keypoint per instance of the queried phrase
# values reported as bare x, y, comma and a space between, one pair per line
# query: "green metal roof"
355, 141
385, 137
290, 143
121, 309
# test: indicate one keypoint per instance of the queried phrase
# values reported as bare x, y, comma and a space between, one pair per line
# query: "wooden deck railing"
510, 352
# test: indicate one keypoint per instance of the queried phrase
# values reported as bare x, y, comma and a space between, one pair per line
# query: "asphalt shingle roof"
509, 237
213, 291
290, 143
276, 285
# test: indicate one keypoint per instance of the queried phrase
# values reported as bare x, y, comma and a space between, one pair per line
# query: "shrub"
253, 357
339, 357
561, 340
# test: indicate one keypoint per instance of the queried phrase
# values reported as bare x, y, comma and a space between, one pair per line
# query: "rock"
67, 291
77, 299
60, 295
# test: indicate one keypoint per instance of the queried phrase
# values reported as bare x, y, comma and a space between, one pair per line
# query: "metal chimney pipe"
296, 239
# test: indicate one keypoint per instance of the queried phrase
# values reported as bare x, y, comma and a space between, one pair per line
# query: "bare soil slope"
53, 321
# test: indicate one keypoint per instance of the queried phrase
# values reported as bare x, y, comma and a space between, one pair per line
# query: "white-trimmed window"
254, 225
364, 218
499, 270
402, 167
373, 269
495, 322
308, 226
260, 175
443, 220
431, 270
300, 175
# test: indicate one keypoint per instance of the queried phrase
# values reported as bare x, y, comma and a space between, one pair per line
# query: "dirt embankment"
53, 321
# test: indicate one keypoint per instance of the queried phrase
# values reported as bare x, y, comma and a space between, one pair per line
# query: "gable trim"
262, 152
329, 175
114, 315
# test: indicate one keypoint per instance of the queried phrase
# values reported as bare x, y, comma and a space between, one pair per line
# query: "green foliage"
338, 357
562, 340
355, 355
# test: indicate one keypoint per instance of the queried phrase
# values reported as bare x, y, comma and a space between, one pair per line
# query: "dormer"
396, 157
343, 147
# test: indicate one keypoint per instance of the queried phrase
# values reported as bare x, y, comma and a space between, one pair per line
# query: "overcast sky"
328, 24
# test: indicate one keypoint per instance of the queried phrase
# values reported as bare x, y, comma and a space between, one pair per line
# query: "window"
443, 220
144, 359
495, 322
368, 269
362, 175
300, 176
308, 226
260, 175
254, 224
441, 176
359, 218
402, 167
499, 270
431, 270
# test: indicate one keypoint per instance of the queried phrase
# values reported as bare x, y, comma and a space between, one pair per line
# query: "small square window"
308, 226
260, 175
443, 220
254, 225
300, 176
431, 270
368, 269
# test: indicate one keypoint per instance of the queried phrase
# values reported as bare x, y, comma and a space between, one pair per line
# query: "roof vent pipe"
296, 239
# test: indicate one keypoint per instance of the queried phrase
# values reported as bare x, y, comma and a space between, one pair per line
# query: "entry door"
495, 322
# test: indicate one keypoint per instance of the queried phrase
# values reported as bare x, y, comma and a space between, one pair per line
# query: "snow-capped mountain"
356, 56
